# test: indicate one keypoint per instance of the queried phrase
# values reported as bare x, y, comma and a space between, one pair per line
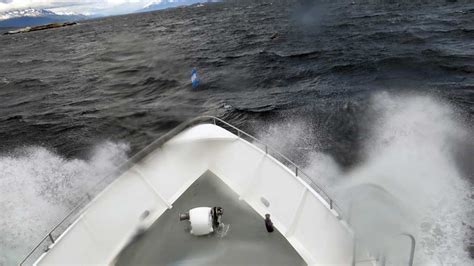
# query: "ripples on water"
126, 78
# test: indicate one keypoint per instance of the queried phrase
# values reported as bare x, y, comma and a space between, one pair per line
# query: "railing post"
330, 203
51, 237
412, 249
296, 170
383, 260
354, 251
214, 120
266, 149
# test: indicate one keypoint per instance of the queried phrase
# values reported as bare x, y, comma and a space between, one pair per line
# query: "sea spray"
406, 181
409, 156
39, 187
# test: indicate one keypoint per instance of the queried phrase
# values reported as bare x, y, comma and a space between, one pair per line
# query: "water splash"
409, 178
222, 230
38, 187
410, 156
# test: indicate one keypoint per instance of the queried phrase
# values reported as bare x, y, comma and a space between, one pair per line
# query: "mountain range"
157, 5
32, 17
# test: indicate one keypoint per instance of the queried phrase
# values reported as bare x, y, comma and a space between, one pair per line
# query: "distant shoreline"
40, 27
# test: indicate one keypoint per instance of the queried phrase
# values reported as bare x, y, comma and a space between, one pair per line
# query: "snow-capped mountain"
162, 4
31, 16
30, 12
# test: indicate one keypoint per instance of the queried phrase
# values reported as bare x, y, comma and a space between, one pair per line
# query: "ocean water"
361, 92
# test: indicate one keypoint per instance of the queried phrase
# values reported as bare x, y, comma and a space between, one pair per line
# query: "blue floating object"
194, 78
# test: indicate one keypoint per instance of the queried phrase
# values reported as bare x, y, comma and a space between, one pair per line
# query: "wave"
39, 187
411, 176
411, 155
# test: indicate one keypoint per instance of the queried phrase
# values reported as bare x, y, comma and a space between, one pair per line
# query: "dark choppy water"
311, 70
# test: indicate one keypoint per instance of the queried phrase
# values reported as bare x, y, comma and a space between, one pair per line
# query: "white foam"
410, 156
38, 187
408, 180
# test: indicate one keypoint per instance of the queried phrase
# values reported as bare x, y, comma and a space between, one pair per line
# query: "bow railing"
51, 237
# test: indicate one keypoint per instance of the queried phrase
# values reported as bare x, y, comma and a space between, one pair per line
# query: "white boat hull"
153, 184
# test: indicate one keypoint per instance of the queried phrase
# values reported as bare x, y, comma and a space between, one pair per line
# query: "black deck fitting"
268, 223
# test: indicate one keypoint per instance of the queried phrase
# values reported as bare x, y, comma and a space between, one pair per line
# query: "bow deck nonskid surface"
247, 242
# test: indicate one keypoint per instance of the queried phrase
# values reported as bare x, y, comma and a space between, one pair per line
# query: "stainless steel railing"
289, 163
57, 230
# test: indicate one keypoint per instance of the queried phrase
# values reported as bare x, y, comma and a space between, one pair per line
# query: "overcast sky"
78, 6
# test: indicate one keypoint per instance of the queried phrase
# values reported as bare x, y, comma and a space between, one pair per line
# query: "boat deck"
168, 241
